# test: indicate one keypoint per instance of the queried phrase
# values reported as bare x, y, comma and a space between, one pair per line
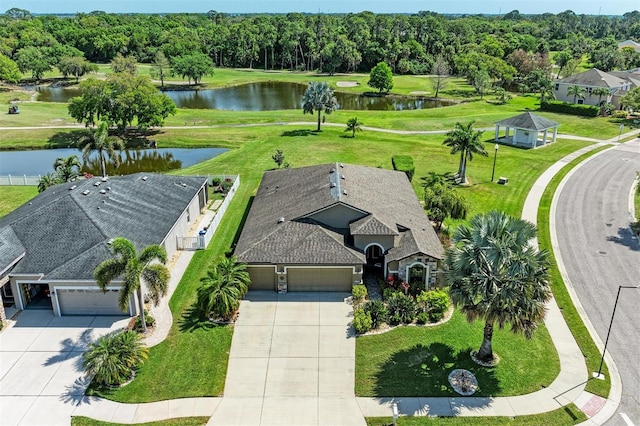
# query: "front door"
417, 274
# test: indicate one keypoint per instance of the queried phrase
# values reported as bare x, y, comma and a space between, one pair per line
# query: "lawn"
565, 416
416, 361
183, 421
12, 197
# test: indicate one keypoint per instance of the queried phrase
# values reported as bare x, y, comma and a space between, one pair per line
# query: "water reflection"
134, 161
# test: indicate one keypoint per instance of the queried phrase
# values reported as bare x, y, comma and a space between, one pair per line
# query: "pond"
263, 96
40, 162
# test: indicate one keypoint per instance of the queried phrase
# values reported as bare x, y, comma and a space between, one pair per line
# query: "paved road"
599, 253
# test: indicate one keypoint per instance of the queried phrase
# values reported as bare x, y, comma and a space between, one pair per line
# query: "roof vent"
341, 166
332, 185
344, 191
281, 220
144, 178
85, 192
103, 179
96, 184
184, 185
72, 187
110, 241
333, 170
102, 191
342, 177
108, 188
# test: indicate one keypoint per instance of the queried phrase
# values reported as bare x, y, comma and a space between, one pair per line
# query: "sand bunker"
347, 83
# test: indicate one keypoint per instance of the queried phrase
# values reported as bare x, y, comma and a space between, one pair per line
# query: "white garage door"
320, 279
88, 302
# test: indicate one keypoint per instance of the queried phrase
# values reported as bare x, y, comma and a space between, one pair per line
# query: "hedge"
573, 109
404, 163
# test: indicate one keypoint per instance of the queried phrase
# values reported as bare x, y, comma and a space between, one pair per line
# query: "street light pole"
606, 342
495, 156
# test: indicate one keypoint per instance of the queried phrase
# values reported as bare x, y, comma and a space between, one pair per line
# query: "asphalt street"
600, 253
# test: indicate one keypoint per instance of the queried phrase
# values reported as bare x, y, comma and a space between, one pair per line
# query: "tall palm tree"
319, 97
67, 168
98, 139
465, 140
133, 268
220, 291
576, 91
495, 275
353, 126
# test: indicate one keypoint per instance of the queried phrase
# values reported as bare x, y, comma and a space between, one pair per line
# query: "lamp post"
495, 156
615, 305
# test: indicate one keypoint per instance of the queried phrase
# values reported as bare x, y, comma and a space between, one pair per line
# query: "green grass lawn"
183, 421
12, 197
416, 361
565, 416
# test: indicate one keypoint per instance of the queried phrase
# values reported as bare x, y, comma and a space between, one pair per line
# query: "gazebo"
529, 130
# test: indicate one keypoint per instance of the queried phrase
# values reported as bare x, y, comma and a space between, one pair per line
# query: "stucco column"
545, 137
497, 136
555, 133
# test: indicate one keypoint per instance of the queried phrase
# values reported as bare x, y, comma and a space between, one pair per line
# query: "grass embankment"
589, 349
416, 361
12, 197
183, 421
565, 416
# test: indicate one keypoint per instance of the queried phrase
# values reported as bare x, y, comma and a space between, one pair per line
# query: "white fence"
23, 180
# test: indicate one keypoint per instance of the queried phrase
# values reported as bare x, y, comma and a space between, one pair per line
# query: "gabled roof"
594, 78
529, 121
64, 232
385, 198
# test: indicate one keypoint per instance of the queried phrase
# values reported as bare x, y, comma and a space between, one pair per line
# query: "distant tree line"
505, 47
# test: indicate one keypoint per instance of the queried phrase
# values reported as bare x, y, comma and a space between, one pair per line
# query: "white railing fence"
9, 180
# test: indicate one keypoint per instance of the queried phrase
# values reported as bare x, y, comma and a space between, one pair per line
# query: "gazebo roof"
529, 121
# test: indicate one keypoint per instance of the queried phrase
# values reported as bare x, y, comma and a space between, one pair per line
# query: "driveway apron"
292, 362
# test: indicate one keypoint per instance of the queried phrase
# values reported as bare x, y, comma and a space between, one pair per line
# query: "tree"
600, 92
441, 200
319, 97
220, 291
47, 180
76, 66
160, 67
631, 100
561, 59
34, 59
133, 269
278, 157
353, 126
481, 82
127, 64
439, 75
67, 168
193, 66
495, 275
112, 358
465, 140
576, 91
9, 70
381, 77
98, 139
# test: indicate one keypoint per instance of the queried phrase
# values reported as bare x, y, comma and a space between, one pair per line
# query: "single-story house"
529, 130
616, 83
50, 246
629, 43
316, 228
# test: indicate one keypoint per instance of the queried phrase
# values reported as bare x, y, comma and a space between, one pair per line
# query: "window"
557, 86
580, 101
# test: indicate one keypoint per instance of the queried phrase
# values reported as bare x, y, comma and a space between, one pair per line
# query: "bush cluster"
573, 109
359, 294
404, 163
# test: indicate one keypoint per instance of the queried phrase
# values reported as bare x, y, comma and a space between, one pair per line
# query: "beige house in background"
617, 83
629, 43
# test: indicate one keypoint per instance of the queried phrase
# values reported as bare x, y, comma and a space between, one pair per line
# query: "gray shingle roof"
594, 78
529, 121
64, 232
385, 200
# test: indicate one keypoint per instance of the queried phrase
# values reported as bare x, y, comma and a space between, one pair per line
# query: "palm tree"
99, 140
600, 92
576, 91
353, 126
319, 97
226, 282
465, 140
67, 168
47, 180
111, 359
495, 275
132, 268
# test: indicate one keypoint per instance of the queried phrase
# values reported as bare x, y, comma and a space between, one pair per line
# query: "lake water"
263, 96
40, 162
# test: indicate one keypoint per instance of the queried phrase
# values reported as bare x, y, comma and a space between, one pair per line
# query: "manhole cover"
601, 252
609, 225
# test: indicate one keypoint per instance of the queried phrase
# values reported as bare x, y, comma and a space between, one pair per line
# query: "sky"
589, 7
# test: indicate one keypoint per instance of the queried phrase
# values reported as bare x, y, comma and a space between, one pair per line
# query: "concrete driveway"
292, 362
40, 358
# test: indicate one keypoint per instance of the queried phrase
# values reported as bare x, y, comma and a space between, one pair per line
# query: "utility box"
503, 180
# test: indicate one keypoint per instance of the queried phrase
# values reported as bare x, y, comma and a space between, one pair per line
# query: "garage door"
88, 302
262, 278
319, 279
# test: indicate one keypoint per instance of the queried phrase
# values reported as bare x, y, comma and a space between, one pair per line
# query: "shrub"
148, 319
434, 303
388, 292
359, 293
216, 181
377, 311
112, 358
567, 108
226, 186
422, 318
361, 321
404, 163
620, 114
401, 308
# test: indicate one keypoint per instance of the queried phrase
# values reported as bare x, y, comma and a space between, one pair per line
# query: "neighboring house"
316, 228
590, 80
529, 130
50, 246
629, 43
